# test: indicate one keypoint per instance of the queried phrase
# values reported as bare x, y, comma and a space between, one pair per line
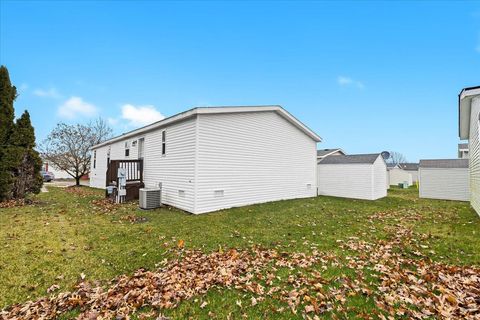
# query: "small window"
164, 143
127, 149
218, 193
94, 159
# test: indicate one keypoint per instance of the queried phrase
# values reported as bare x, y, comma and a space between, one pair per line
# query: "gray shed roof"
409, 166
391, 165
351, 159
324, 152
444, 163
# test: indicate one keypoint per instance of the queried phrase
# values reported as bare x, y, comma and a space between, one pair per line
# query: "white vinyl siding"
176, 170
397, 175
414, 174
444, 183
474, 154
358, 181
246, 158
216, 161
98, 174
380, 179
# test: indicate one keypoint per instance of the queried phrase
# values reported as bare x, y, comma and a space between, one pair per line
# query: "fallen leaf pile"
133, 218
393, 273
14, 203
105, 205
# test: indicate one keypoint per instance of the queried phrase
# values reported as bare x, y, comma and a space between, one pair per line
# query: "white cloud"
347, 81
49, 93
140, 115
75, 106
112, 121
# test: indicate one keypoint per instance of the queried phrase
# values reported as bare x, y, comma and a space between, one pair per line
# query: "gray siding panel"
444, 183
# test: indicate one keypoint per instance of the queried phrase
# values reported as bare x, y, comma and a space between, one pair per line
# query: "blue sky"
366, 76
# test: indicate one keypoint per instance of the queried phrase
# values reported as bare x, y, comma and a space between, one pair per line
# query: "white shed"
220, 157
444, 179
360, 176
397, 175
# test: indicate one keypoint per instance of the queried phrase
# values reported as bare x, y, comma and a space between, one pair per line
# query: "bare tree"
396, 158
67, 147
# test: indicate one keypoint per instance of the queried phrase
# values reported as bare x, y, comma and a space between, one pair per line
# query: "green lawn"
63, 235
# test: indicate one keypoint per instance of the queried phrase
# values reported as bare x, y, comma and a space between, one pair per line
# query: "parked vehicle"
47, 176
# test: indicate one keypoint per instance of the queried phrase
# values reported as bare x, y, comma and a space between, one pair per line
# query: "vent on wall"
181, 193
218, 193
309, 186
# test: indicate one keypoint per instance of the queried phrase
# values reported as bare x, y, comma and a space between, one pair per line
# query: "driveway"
66, 183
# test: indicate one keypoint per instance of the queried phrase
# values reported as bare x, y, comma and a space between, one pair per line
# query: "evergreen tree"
8, 93
26, 173
20, 163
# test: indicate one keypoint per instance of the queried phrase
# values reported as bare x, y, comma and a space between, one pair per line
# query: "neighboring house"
58, 173
446, 179
329, 152
220, 157
397, 175
468, 129
360, 176
463, 150
411, 168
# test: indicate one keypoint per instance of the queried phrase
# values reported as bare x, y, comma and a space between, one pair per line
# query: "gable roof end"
215, 110
326, 152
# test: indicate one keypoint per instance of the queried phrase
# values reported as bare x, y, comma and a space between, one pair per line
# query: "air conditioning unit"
150, 198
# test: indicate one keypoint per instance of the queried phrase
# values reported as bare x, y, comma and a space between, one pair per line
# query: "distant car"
47, 176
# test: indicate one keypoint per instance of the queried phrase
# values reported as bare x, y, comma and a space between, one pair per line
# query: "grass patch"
63, 236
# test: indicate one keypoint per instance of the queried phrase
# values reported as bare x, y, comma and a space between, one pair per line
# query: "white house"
411, 168
397, 175
446, 179
469, 111
57, 172
322, 153
220, 157
360, 176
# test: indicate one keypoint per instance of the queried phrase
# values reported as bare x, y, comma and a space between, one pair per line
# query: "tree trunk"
77, 179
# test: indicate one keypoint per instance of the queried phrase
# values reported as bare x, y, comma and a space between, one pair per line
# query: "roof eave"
464, 109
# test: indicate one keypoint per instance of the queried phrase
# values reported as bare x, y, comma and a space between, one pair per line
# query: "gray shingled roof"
444, 163
324, 152
351, 159
391, 165
463, 146
409, 166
